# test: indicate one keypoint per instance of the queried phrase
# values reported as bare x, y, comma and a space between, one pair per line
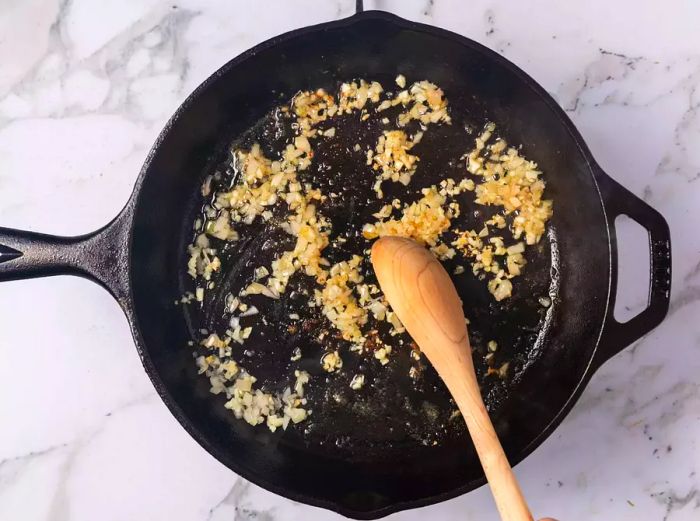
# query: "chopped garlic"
261, 272
354, 96
423, 221
505, 180
331, 361
391, 159
358, 381
500, 288
382, 354
255, 288
339, 304
302, 378
429, 104
312, 108
252, 310
512, 182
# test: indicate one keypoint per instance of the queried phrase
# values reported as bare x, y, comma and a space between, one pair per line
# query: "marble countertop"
84, 89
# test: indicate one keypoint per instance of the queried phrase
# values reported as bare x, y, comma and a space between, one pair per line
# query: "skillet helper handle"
100, 256
620, 201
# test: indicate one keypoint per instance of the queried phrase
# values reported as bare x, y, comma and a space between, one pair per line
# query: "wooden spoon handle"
422, 294
452, 359
506, 492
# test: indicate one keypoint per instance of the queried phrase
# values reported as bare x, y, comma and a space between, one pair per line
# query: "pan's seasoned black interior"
403, 404
361, 460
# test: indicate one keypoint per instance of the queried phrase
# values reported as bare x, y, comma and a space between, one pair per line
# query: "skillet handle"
359, 6
101, 256
620, 201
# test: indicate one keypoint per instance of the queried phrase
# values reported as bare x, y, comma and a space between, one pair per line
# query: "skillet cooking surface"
392, 413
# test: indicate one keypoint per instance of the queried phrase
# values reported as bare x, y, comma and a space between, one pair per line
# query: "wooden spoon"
422, 295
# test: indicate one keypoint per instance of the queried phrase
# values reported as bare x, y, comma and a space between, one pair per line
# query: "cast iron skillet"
139, 257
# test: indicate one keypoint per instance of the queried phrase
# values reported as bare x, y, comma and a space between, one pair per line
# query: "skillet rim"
136, 201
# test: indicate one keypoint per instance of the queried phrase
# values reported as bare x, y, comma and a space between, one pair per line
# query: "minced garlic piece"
382, 354
443, 252
497, 220
331, 361
260, 273
357, 382
230, 369
255, 288
213, 341
501, 372
384, 212
186, 298
500, 288
397, 326
302, 378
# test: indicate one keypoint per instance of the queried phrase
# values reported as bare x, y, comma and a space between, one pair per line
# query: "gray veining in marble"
84, 89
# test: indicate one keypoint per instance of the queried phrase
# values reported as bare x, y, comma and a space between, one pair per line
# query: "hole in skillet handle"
620, 201
633, 266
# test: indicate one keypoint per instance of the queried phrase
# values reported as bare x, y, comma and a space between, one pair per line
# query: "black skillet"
139, 258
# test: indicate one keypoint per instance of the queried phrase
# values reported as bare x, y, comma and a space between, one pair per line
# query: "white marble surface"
85, 87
